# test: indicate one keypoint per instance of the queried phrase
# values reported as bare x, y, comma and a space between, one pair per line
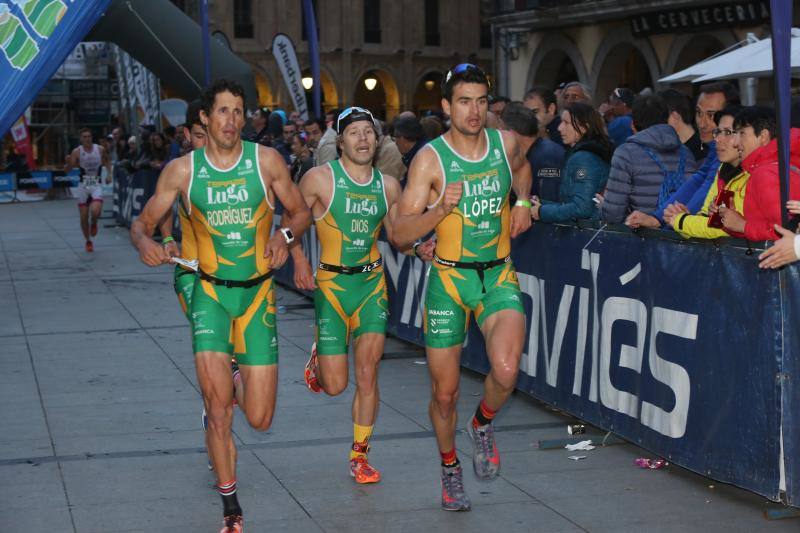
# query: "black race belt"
473, 265
232, 283
350, 270
478, 266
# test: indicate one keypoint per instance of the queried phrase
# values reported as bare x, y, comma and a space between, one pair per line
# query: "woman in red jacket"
755, 138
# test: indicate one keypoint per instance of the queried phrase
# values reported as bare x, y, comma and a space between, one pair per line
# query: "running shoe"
363, 472
205, 430
453, 496
93, 228
232, 524
310, 374
485, 457
89, 246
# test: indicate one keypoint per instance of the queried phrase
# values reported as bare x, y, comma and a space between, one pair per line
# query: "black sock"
451, 465
230, 502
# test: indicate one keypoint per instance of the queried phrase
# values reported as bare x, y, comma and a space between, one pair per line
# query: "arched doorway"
377, 91
428, 94
555, 67
266, 97
623, 66
556, 60
329, 96
691, 51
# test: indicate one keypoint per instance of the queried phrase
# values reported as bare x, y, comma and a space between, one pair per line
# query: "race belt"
350, 270
232, 283
478, 266
473, 265
89, 181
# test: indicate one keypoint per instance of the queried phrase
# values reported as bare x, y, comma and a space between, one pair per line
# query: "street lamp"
429, 84
370, 83
308, 83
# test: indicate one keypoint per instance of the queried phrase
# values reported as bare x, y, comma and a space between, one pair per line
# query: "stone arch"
689, 49
330, 91
620, 61
425, 96
384, 99
264, 88
550, 56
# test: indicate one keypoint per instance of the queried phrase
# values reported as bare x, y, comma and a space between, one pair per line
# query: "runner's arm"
521, 183
309, 186
413, 220
275, 171
393, 192
172, 181
72, 161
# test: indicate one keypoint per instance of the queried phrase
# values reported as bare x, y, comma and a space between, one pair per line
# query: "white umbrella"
757, 65
750, 60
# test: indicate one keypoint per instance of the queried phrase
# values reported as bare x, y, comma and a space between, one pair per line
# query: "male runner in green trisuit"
350, 201
229, 188
459, 185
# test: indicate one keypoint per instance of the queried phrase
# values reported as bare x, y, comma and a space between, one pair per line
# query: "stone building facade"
401, 43
621, 43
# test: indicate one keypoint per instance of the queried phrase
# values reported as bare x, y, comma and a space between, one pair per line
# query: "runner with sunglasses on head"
459, 185
350, 201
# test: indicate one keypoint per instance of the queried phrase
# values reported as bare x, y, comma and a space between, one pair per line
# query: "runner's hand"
303, 276
425, 250
153, 254
520, 220
172, 249
452, 195
277, 250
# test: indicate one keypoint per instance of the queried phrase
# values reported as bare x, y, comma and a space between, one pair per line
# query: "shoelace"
364, 466
484, 439
454, 483
232, 520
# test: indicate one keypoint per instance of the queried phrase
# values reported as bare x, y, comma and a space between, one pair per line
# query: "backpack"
672, 179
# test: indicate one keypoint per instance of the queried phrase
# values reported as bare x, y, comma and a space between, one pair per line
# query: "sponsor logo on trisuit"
455, 167
203, 174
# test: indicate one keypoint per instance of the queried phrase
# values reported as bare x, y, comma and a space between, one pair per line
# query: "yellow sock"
361, 435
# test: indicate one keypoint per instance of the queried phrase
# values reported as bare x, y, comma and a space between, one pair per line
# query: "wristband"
167, 240
523, 203
414, 247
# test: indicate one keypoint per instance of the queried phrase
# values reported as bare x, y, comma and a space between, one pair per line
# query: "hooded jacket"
762, 202
634, 182
585, 173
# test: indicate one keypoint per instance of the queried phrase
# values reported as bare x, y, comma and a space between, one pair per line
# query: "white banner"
283, 50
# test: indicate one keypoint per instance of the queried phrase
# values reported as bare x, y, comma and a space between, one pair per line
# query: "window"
303, 20
372, 21
486, 35
243, 19
432, 35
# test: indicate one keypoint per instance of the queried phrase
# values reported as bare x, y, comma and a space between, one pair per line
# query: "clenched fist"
451, 197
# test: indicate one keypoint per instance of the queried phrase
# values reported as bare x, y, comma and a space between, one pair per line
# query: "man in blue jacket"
714, 97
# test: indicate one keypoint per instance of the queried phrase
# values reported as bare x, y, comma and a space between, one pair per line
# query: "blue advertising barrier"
37, 36
8, 182
131, 191
38, 179
686, 349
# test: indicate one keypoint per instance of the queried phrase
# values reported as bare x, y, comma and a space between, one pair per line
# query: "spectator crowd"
704, 167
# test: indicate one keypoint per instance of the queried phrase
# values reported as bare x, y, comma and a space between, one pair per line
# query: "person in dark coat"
652, 164
585, 169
